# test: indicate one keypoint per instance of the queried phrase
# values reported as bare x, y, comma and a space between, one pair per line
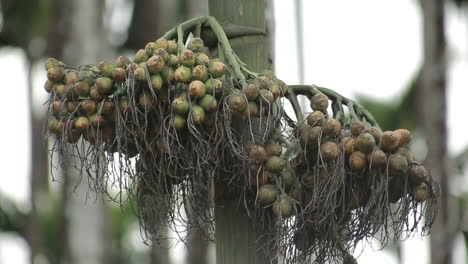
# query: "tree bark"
78, 38
433, 99
150, 20
237, 236
39, 180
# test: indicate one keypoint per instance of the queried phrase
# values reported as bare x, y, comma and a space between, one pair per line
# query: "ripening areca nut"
214, 87
82, 124
196, 89
197, 115
312, 137
267, 194
397, 164
418, 174
263, 81
71, 106
119, 75
251, 91
150, 48
377, 158
155, 64
329, 151
266, 97
146, 100
258, 154
405, 153
389, 141
180, 105
82, 89
315, 118
178, 122
140, 74
196, 45
187, 58
275, 164
95, 95
357, 160
375, 132
319, 102
55, 127
251, 110
163, 54
357, 127
274, 149
348, 145
173, 60
141, 56
237, 101
106, 107
404, 137
124, 104
104, 85
200, 73
161, 43
156, 82
59, 89
274, 89
365, 143
331, 127
420, 192
48, 85
122, 61
52, 63
168, 76
283, 207
183, 74
217, 69
172, 47
106, 68
88, 107
284, 87
97, 120
208, 103
55, 74
202, 59
71, 77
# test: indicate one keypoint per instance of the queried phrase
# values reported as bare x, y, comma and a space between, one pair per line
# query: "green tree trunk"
237, 236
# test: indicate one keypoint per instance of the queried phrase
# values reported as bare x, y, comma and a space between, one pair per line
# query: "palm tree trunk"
78, 38
433, 97
39, 185
237, 236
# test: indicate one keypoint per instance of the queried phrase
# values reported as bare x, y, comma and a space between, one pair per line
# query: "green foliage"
399, 112
24, 21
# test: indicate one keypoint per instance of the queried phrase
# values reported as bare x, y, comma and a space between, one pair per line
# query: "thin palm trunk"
433, 95
237, 235
78, 38
38, 175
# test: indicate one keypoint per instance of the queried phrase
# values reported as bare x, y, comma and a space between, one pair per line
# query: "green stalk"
356, 111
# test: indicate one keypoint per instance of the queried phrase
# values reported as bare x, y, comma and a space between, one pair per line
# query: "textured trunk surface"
39, 182
237, 236
78, 38
433, 98
197, 243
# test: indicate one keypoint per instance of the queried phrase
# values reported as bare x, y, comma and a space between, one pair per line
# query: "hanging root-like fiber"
177, 132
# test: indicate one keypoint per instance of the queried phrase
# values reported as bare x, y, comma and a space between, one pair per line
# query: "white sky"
354, 47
